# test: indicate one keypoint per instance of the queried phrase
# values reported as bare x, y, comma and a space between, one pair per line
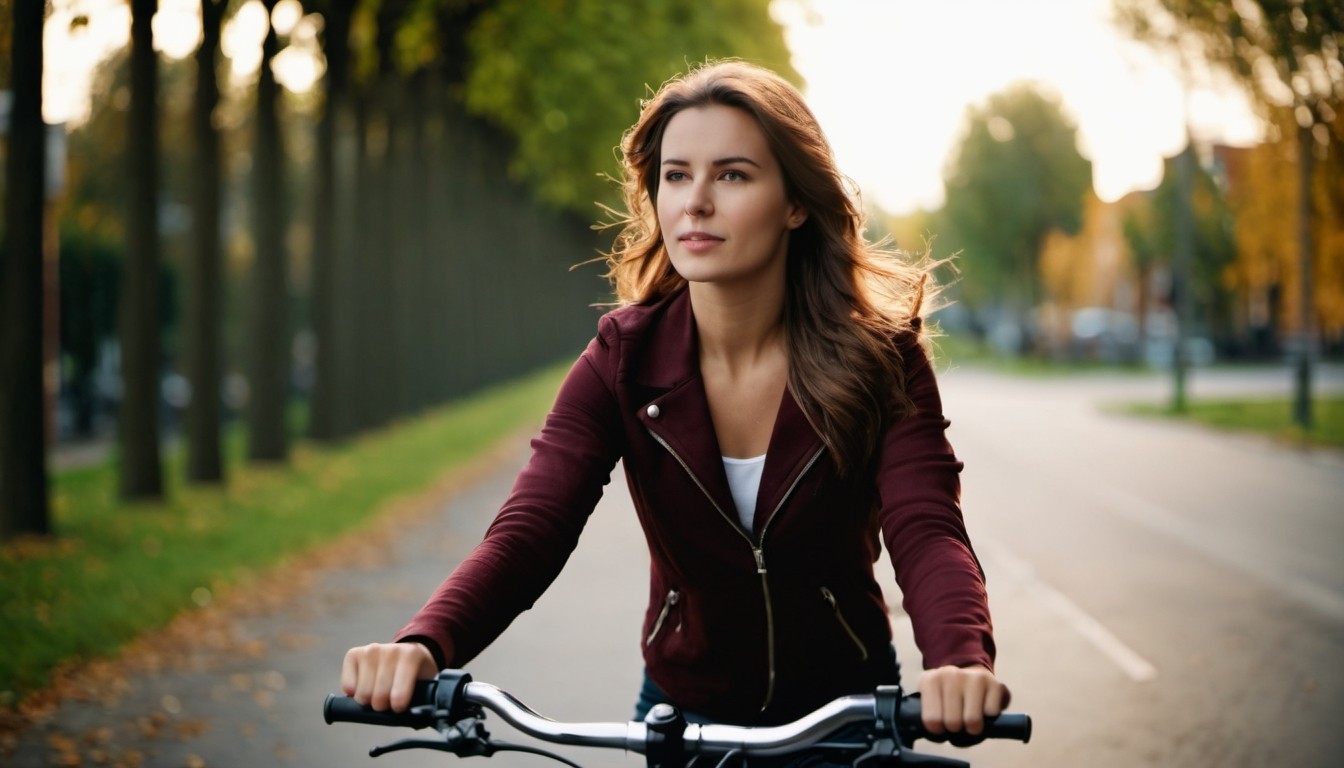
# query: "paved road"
1164, 596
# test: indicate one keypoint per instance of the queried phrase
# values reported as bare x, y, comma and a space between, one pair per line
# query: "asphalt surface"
1164, 595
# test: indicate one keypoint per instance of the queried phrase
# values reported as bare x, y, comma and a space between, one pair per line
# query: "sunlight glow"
177, 28
297, 68
285, 16
891, 80
241, 40
72, 52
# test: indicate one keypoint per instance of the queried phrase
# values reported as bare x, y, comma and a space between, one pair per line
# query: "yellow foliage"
1084, 270
1264, 197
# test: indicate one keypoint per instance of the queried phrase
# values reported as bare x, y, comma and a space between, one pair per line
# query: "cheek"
667, 209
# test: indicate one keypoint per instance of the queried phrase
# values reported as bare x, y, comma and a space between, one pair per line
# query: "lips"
698, 242
699, 237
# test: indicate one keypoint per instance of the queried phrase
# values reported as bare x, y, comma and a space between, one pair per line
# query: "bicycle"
889, 721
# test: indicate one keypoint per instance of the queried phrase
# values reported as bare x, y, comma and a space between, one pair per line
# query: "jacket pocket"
829, 597
669, 602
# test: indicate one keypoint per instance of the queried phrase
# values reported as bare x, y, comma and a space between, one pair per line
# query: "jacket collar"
674, 408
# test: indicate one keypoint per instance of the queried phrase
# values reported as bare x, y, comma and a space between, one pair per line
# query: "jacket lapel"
672, 401
794, 447
674, 408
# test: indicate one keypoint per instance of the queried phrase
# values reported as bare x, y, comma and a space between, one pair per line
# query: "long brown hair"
849, 303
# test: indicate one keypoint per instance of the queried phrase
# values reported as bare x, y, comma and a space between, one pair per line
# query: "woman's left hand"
956, 699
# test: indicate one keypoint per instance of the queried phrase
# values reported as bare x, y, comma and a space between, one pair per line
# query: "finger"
997, 700
932, 704
405, 673
973, 706
384, 674
978, 685
366, 663
349, 672
954, 704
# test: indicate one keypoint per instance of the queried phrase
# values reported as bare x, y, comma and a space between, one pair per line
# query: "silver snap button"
653, 411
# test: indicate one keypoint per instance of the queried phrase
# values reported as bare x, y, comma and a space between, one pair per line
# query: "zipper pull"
673, 596
760, 560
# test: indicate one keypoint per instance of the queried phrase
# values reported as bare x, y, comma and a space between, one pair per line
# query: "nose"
698, 203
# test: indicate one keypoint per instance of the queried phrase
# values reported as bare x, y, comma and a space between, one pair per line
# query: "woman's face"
722, 205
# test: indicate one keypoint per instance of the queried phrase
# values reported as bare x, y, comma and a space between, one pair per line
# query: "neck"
737, 328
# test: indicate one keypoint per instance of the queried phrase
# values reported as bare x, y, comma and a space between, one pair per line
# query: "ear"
797, 215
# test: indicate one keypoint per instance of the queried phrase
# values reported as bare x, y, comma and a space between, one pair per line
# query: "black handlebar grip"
1009, 726
343, 709
910, 725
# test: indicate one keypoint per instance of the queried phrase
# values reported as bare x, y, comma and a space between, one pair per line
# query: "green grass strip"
116, 570
1269, 417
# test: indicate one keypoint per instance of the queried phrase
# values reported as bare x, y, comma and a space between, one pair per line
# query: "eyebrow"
719, 162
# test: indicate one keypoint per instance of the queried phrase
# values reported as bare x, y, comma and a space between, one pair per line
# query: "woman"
765, 385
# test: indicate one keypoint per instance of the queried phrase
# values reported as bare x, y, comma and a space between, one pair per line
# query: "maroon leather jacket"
751, 628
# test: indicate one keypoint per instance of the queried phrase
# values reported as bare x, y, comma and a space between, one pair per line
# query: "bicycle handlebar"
453, 698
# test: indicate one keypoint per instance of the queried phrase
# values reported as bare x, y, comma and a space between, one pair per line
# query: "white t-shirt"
744, 480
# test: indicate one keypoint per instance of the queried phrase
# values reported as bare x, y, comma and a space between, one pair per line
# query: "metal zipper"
673, 596
757, 550
829, 597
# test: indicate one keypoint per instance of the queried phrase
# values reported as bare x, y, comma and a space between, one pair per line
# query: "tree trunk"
202, 333
268, 383
138, 414
404, 193
383, 255
330, 409
1182, 282
23, 452
1307, 339
353, 288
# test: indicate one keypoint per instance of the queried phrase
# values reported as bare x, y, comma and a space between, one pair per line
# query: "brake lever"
504, 746
915, 758
404, 744
464, 738
884, 751
887, 752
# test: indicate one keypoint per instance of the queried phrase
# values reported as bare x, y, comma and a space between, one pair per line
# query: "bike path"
243, 685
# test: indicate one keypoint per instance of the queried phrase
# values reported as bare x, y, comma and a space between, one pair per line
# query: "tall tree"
23, 468
1017, 176
1285, 52
138, 414
330, 417
268, 437
203, 270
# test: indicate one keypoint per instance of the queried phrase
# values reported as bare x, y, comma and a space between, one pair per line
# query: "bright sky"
73, 53
890, 80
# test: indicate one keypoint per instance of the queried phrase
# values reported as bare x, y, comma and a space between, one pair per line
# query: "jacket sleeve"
538, 526
919, 487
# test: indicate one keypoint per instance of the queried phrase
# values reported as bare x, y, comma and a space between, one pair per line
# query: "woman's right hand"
383, 675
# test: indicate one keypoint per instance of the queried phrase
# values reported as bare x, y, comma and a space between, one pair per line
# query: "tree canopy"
1016, 176
1286, 52
565, 79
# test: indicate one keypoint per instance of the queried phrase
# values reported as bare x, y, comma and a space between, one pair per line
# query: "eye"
733, 176
674, 176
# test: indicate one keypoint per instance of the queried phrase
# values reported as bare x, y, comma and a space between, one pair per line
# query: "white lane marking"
1131, 663
1163, 521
